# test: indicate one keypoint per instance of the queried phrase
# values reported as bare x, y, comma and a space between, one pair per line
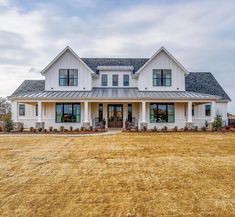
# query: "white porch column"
39, 123
86, 113
213, 112
189, 112
14, 110
39, 111
143, 109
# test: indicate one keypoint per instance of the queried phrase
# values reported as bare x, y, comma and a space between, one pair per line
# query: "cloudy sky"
200, 34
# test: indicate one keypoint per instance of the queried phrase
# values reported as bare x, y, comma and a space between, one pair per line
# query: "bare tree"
5, 107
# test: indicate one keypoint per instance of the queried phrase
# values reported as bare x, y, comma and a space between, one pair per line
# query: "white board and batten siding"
68, 61
161, 61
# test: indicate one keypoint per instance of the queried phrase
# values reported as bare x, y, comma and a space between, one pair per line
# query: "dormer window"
68, 77
161, 77
104, 80
125, 80
115, 80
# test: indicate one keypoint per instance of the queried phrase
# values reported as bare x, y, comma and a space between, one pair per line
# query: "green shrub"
154, 129
217, 124
7, 123
61, 128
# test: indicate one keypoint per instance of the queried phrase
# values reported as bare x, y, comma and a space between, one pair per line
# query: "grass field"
144, 174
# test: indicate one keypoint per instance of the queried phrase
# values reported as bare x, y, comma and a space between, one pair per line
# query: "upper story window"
161, 77
104, 80
21, 109
115, 80
68, 77
125, 80
208, 110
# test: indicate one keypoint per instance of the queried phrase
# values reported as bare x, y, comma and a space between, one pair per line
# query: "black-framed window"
161, 77
68, 77
193, 110
100, 112
125, 80
208, 110
115, 80
21, 109
129, 113
68, 113
162, 113
104, 80
36, 110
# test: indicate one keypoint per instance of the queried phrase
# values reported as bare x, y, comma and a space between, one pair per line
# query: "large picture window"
68, 112
21, 109
161, 77
68, 77
162, 113
115, 80
104, 80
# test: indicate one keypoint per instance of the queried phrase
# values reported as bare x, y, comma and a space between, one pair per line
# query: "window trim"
162, 79
68, 78
24, 112
166, 104
104, 76
128, 80
63, 111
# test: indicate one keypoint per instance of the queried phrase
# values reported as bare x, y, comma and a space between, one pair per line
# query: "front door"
115, 116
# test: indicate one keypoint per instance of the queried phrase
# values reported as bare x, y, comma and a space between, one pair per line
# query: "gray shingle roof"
29, 86
204, 82
198, 85
137, 63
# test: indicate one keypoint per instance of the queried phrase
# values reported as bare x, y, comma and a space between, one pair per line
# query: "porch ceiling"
115, 93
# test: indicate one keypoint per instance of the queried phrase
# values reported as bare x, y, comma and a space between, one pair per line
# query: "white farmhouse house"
147, 92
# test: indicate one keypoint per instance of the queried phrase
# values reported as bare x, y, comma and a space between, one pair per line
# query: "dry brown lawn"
144, 174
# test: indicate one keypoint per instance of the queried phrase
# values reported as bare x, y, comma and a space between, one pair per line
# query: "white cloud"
198, 33
4, 2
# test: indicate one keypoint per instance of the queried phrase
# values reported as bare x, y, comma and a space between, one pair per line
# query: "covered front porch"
113, 114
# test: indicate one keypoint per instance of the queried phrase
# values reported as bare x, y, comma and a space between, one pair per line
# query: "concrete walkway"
110, 132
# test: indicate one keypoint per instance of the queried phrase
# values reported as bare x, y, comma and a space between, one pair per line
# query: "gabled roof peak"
60, 54
162, 48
